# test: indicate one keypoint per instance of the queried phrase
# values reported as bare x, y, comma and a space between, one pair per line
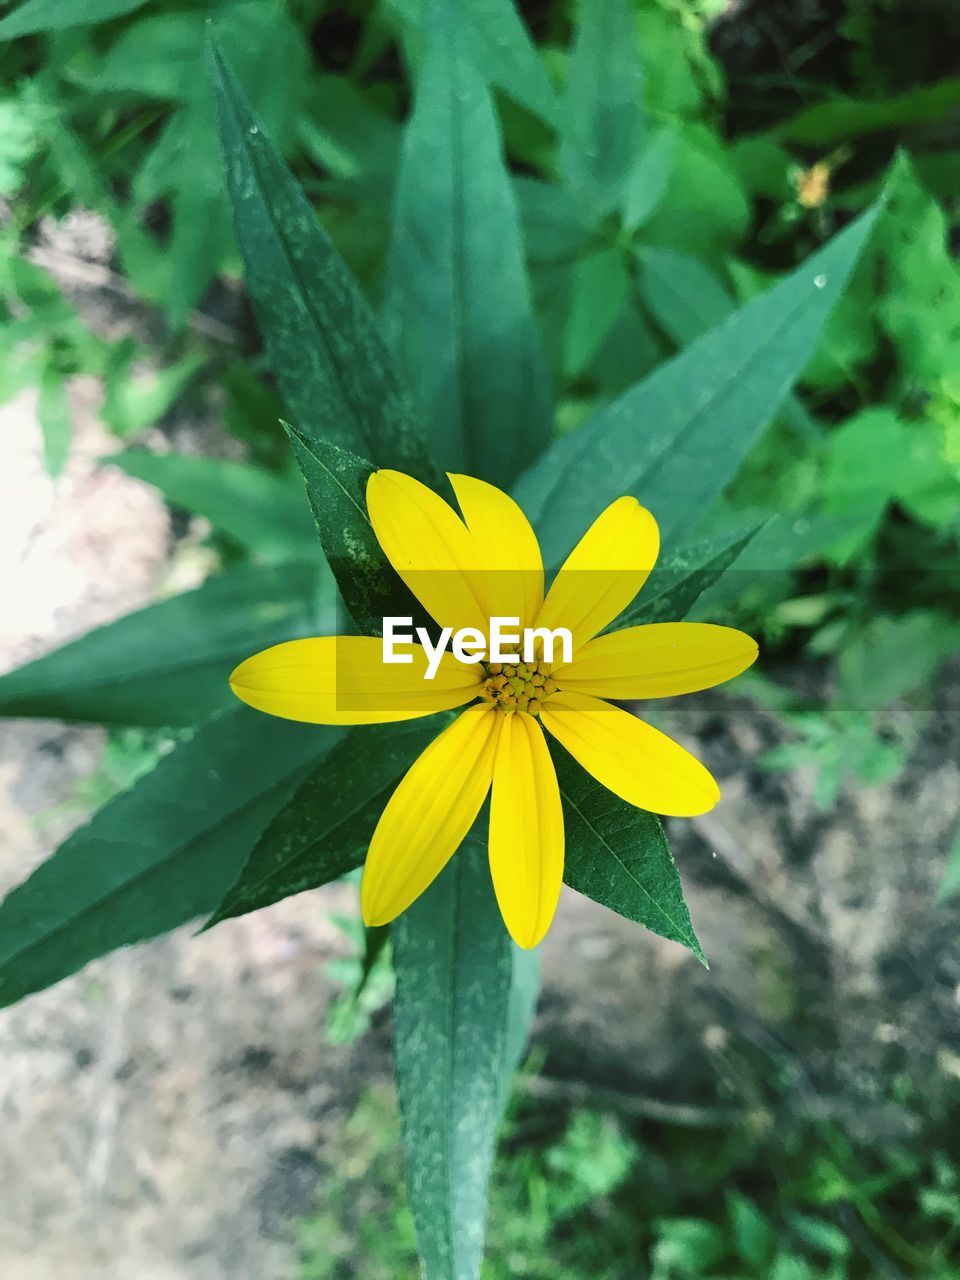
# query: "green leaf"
452, 959
133, 403
619, 856
458, 309
677, 439
336, 486
674, 587
329, 360
602, 120
950, 884
168, 664
256, 508
53, 410
522, 1005
501, 49
36, 16
158, 855
648, 179
842, 118
325, 828
600, 289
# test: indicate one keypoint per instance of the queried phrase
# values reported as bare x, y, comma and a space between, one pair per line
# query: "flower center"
519, 687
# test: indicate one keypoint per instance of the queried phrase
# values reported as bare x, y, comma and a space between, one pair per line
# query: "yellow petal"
509, 553
429, 814
603, 572
632, 759
526, 831
344, 680
658, 661
430, 548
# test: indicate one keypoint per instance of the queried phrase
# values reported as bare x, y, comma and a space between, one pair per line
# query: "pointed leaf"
168, 664
459, 313
256, 508
325, 828
158, 855
619, 856
602, 119
678, 438
336, 486
501, 49
452, 959
674, 587
333, 369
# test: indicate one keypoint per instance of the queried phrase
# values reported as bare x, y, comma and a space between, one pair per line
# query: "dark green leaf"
336, 486
459, 312
602, 120
452, 959
500, 48
324, 830
256, 508
674, 587
331, 364
168, 664
844, 118
619, 856
678, 438
599, 293
59, 15
158, 855
686, 299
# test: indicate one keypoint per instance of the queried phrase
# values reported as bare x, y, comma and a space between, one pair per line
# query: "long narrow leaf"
333, 369
158, 855
459, 312
169, 664
452, 959
678, 438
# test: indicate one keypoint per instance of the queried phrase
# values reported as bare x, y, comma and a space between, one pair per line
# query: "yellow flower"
465, 571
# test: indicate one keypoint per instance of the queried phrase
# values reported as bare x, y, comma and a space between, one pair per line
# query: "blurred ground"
168, 1112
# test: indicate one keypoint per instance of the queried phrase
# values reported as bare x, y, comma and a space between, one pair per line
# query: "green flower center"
519, 687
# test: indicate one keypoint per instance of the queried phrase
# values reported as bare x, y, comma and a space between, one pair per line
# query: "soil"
169, 1112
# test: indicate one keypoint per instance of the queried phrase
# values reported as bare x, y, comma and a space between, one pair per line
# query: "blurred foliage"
585, 1195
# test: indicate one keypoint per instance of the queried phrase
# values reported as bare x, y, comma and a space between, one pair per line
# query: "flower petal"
344, 680
430, 548
658, 660
603, 572
632, 759
526, 831
429, 814
512, 567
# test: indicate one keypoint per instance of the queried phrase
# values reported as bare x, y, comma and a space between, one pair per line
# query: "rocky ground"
170, 1111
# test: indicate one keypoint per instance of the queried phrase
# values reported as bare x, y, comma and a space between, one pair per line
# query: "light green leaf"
500, 48
133, 403
53, 410
619, 856
324, 829
458, 309
602, 120
169, 664
158, 855
674, 586
648, 178
678, 438
256, 508
336, 486
328, 358
35, 16
950, 884
600, 289
452, 959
